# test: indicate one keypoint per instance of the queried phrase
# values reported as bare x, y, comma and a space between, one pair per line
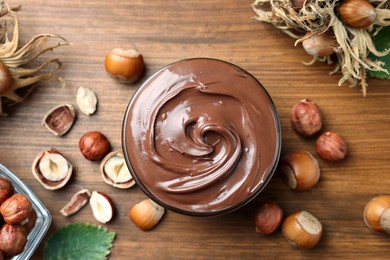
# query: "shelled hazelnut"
331, 146
94, 146
306, 118
268, 218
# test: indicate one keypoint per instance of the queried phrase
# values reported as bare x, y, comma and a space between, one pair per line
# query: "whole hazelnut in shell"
6, 189
16, 209
94, 146
13, 239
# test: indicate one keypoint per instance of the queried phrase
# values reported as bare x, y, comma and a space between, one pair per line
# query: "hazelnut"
300, 170
331, 146
51, 169
358, 14
268, 218
102, 206
94, 146
86, 100
124, 65
302, 229
376, 214
115, 172
306, 118
29, 223
13, 239
6, 189
16, 209
60, 119
146, 214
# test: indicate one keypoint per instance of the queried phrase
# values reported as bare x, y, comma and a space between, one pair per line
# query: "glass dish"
43, 215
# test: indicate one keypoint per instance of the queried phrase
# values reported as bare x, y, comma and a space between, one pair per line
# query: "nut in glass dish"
201, 137
43, 217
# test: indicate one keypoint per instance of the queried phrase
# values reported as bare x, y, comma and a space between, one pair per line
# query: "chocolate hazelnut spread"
201, 136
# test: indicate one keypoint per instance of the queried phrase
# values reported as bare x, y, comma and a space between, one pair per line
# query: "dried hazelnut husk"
94, 146
305, 117
331, 146
13, 239
76, 203
358, 14
6, 189
115, 172
268, 218
60, 119
16, 209
299, 170
52, 169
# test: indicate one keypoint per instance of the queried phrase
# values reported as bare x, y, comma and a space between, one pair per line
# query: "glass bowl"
201, 137
43, 215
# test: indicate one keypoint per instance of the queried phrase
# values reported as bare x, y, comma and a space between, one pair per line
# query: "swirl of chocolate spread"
201, 137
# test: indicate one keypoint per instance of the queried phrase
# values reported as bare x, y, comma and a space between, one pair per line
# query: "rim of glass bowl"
212, 212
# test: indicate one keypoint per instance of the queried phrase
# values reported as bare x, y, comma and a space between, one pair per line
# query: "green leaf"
381, 42
79, 241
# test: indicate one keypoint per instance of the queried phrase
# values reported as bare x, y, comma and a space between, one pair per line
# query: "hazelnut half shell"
60, 119
52, 169
115, 172
76, 203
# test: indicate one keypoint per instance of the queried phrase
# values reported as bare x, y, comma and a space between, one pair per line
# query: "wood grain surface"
170, 30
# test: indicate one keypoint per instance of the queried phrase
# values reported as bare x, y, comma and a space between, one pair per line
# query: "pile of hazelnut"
53, 170
17, 219
300, 171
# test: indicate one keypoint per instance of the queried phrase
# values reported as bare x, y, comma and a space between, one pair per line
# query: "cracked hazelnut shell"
16, 209
76, 203
60, 119
46, 183
94, 146
120, 177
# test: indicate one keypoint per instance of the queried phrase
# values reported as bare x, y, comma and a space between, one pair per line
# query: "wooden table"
166, 31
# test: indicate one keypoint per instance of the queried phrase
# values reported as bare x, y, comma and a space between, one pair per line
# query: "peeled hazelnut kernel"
306, 118
124, 65
300, 170
94, 146
76, 203
60, 119
86, 100
302, 229
376, 214
6, 189
268, 218
358, 14
102, 206
331, 147
115, 172
13, 239
16, 209
146, 214
52, 169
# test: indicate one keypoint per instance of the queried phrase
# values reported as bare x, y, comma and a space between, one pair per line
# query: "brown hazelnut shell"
60, 119
48, 184
107, 179
16, 209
